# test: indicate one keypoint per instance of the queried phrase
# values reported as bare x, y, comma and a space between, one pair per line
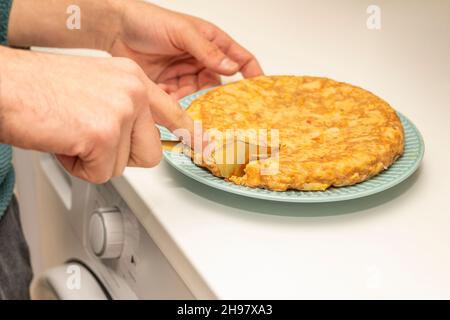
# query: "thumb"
168, 113
207, 52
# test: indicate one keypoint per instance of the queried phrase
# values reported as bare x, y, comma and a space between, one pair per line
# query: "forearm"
6, 56
24, 100
11, 90
44, 23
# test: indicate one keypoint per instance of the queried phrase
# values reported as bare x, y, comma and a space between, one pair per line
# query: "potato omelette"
330, 133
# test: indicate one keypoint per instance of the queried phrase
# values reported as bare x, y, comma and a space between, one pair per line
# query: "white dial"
106, 233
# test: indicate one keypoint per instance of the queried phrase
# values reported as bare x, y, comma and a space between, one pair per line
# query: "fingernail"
228, 64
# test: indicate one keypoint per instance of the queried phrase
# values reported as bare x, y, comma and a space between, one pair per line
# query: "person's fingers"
183, 92
189, 84
248, 64
207, 79
164, 87
208, 53
170, 85
166, 112
180, 68
146, 144
68, 162
95, 168
188, 80
123, 149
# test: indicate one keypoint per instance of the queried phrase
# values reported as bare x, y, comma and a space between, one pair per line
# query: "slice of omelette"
330, 133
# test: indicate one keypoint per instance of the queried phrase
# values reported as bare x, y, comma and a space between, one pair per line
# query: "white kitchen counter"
392, 245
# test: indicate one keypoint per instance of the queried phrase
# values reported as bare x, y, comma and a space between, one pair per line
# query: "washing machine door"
71, 281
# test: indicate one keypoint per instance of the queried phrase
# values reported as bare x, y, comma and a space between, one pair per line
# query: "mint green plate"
398, 172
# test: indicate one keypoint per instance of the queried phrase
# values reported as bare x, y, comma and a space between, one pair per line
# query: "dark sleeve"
5, 8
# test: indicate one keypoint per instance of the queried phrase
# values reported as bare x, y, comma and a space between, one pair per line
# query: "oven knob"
106, 233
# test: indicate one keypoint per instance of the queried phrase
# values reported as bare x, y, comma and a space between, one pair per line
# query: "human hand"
97, 115
179, 52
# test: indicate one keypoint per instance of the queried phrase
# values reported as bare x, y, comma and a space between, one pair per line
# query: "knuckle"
134, 87
212, 52
77, 148
105, 133
124, 105
183, 26
127, 113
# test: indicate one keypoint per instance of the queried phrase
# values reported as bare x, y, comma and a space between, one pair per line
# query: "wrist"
111, 29
106, 23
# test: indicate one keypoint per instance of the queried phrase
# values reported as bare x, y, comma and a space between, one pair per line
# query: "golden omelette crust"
331, 133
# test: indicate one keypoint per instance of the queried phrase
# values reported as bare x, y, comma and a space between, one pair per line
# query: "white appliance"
85, 241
